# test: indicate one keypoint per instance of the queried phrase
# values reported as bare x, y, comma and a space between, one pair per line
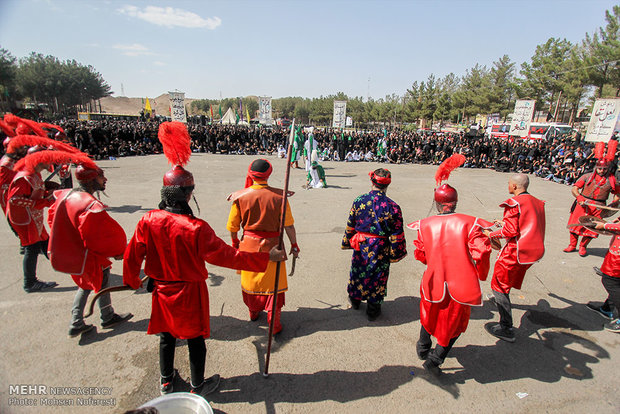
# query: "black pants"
612, 286
197, 356
504, 307
437, 355
31, 254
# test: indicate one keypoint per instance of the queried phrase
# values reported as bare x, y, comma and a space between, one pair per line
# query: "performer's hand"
277, 255
581, 199
235, 243
486, 232
295, 250
498, 223
600, 225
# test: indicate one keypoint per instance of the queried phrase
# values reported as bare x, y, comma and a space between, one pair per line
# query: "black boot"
373, 310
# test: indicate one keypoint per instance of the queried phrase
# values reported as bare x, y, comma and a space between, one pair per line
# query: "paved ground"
329, 358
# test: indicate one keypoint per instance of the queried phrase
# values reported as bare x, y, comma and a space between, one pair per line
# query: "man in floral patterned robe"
375, 233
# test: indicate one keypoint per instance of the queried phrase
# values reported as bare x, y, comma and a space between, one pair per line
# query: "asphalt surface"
329, 358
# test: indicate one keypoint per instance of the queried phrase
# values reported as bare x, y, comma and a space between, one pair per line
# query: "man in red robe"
82, 238
523, 227
592, 188
26, 199
257, 209
456, 252
610, 277
175, 245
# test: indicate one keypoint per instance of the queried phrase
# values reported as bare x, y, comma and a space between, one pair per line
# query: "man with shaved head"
523, 227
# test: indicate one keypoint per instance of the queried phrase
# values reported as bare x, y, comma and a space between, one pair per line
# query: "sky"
209, 49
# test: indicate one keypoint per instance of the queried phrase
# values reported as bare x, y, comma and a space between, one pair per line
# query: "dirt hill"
132, 106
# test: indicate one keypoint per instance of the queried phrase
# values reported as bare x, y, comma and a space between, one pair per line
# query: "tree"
602, 57
8, 70
548, 73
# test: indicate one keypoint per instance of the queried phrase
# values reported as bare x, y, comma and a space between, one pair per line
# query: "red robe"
175, 247
524, 231
594, 190
82, 237
611, 263
6, 177
456, 253
26, 200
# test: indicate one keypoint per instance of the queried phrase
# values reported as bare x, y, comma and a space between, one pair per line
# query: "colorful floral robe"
375, 232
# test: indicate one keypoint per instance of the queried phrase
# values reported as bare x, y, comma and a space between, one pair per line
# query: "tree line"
560, 76
46, 80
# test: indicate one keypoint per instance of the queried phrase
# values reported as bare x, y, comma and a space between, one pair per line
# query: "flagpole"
274, 306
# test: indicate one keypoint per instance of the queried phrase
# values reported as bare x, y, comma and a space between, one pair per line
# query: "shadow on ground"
307, 321
552, 343
341, 386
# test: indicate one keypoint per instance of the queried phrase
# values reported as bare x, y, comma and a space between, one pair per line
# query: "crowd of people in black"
562, 160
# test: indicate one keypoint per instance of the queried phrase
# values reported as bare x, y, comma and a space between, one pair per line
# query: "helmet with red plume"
86, 173
176, 142
178, 176
446, 194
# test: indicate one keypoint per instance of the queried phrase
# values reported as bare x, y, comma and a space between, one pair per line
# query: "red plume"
32, 140
34, 126
12, 120
449, 165
599, 150
30, 161
611, 150
51, 126
6, 128
176, 142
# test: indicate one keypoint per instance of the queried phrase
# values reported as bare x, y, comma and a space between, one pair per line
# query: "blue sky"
287, 48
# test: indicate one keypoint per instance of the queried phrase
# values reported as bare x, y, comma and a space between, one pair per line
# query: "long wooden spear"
280, 246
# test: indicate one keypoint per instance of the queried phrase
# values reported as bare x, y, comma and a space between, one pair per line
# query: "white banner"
522, 118
264, 110
349, 121
177, 106
604, 120
340, 114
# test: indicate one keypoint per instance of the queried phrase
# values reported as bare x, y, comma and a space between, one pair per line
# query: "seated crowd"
560, 160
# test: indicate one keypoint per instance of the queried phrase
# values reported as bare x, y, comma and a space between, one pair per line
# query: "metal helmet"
36, 148
446, 194
85, 174
603, 163
178, 176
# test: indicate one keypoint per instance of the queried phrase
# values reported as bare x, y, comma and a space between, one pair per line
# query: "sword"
293, 266
108, 290
603, 207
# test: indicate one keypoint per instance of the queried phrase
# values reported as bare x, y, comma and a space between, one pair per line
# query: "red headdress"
259, 170
6, 128
176, 143
30, 161
446, 194
33, 140
604, 158
380, 180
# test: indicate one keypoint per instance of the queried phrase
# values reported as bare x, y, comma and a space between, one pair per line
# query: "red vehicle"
499, 131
